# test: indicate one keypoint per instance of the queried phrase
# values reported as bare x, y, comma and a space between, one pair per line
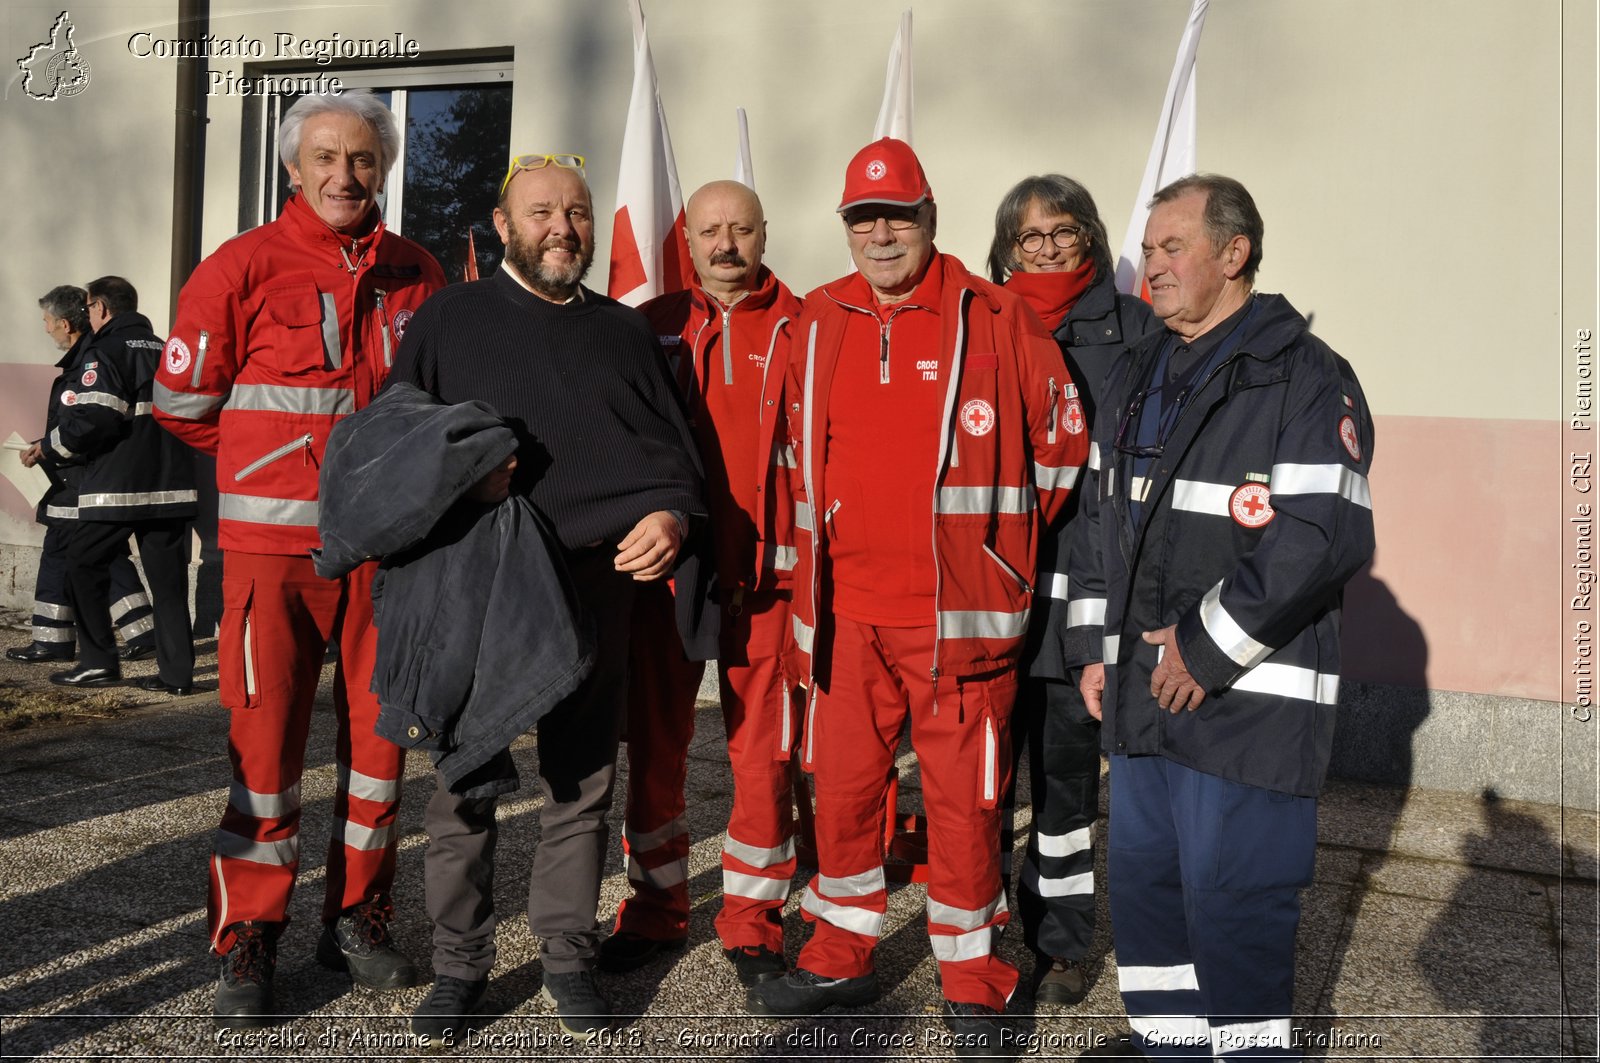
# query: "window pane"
457, 142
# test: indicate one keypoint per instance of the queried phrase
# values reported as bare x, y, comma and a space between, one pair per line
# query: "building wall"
1426, 172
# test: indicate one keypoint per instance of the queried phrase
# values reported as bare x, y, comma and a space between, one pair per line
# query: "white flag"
1172, 155
649, 251
743, 172
894, 114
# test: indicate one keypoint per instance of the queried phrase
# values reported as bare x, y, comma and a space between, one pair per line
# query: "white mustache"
884, 252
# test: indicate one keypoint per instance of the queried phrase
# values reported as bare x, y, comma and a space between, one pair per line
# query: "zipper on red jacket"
200, 358
388, 355
303, 443
727, 343
945, 439
1055, 393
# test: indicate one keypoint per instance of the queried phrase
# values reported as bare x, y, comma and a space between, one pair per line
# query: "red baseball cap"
885, 172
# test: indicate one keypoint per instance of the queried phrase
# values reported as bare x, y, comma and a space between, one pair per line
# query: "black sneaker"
1058, 981
580, 1008
358, 941
755, 964
977, 1031
626, 951
244, 990
446, 1016
803, 992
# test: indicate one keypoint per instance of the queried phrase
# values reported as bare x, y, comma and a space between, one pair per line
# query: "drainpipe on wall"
188, 147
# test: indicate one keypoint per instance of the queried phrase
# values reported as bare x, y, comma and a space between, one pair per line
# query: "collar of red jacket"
307, 223
763, 295
853, 290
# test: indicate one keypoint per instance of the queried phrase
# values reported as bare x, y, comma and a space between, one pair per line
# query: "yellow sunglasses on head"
539, 162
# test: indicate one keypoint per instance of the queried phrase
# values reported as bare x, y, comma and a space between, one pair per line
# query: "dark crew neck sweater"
602, 438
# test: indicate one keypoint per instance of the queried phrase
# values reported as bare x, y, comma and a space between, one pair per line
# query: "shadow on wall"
1384, 696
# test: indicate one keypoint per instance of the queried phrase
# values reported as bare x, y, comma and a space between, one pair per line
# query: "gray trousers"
577, 769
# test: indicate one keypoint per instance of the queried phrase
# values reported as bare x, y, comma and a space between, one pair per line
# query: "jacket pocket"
302, 442
236, 646
308, 332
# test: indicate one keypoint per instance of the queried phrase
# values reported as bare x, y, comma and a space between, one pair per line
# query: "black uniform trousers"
163, 547
53, 627
577, 772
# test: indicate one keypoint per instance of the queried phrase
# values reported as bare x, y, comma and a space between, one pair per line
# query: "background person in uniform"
66, 322
923, 403
136, 480
280, 333
1227, 506
1050, 248
719, 337
604, 454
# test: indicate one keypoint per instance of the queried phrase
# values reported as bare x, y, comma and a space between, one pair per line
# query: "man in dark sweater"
605, 454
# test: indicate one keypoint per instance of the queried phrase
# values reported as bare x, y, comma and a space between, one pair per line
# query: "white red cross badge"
69, 398
401, 320
176, 355
977, 417
1349, 437
89, 377
1250, 505
876, 169
1072, 417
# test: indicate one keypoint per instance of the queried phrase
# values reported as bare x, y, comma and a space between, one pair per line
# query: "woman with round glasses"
1050, 248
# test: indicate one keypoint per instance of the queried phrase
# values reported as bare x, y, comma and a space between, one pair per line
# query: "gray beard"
549, 281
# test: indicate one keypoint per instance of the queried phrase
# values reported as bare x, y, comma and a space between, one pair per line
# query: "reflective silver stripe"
199, 359
1197, 496
1079, 885
644, 841
367, 787
1157, 979
122, 606
802, 635
138, 627
1055, 477
1190, 1031
249, 659
783, 455
1056, 586
259, 510
670, 874
58, 446
784, 558
754, 887
856, 920
142, 409
358, 836
1138, 489
330, 331
1230, 638
1242, 1036
953, 948
62, 512
991, 766
1338, 480
756, 856
964, 918
264, 806
52, 611
44, 633
1086, 611
985, 500
981, 624
1109, 647
1290, 681
802, 516
1075, 841
858, 885
280, 398
100, 398
1094, 456
285, 853
135, 498
191, 407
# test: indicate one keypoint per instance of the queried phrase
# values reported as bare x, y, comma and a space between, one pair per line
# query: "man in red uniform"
719, 336
280, 333
925, 406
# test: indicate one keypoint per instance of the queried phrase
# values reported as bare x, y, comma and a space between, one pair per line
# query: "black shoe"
976, 1030
34, 652
803, 992
158, 685
87, 677
446, 1016
1057, 981
1120, 1048
755, 964
580, 1008
135, 651
244, 990
626, 951
358, 942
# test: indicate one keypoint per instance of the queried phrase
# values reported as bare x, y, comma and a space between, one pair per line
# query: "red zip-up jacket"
281, 332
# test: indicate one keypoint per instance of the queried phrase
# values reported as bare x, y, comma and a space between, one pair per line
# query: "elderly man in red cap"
925, 408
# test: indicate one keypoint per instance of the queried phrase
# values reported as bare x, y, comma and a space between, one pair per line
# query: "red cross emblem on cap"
1250, 505
876, 169
977, 417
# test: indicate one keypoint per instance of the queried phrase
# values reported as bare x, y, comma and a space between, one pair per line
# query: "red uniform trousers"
277, 620
758, 856
878, 676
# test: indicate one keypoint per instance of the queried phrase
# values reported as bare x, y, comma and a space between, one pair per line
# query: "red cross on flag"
649, 251
1172, 155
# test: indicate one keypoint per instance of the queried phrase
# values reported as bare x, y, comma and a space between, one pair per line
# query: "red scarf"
1052, 295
